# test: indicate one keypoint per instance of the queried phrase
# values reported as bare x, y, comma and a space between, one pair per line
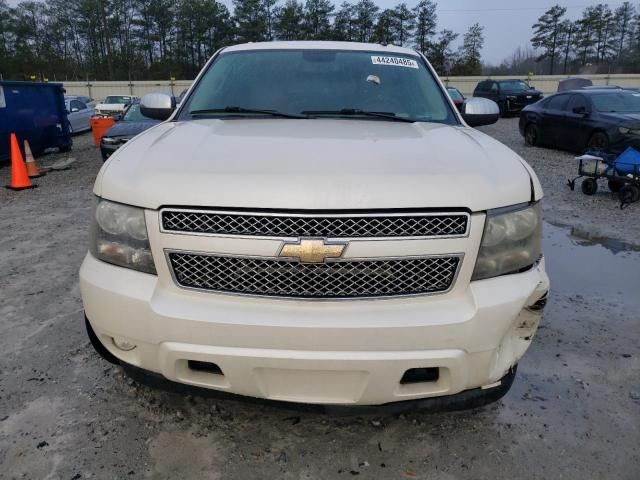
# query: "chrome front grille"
337, 225
348, 278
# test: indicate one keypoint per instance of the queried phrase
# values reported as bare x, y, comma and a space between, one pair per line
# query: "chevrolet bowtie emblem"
312, 250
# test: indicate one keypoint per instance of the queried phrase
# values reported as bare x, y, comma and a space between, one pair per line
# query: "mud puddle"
592, 267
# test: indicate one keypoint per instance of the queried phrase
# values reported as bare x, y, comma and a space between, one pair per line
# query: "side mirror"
158, 106
478, 111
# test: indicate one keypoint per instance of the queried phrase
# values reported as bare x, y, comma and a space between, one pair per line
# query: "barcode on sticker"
394, 61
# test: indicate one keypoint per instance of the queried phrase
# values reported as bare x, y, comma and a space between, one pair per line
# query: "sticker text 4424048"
394, 61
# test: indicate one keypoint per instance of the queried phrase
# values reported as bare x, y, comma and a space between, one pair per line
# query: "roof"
594, 90
321, 45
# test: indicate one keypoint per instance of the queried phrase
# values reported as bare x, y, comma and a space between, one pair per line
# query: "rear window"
299, 81
557, 102
117, 99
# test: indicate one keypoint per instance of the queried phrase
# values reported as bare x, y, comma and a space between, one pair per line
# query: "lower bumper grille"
336, 279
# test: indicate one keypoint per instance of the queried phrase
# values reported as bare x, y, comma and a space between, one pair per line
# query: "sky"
507, 22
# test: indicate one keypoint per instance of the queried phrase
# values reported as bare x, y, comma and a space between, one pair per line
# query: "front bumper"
324, 352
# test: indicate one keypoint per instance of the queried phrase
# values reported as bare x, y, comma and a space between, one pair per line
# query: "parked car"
78, 113
91, 103
510, 95
317, 223
585, 119
115, 104
573, 83
456, 96
128, 126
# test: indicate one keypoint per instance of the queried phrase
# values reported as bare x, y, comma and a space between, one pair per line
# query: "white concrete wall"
545, 83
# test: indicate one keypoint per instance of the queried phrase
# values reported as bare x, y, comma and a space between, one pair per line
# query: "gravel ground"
66, 414
594, 217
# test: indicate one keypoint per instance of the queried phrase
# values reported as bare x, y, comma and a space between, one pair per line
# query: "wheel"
615, 185
629, 194
531, 135
589, 186
598, 141
65, 149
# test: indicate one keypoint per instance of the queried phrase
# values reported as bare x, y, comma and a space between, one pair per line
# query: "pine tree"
344, 24
383, 32
623, 20
547, 33
469, 53
366, 13
441, 56
317, 19
251, 20
289, 21
404, 23
426, 21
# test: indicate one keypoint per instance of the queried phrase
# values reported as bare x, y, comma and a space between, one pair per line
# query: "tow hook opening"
420, 375
206, 367
540, 303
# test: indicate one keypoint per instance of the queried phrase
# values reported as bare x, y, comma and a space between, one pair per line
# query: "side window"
494, 87
481, 87
558, 102
578, 101
77, 104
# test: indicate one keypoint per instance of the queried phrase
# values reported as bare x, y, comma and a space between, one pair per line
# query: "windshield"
624, 102
133, 114
117, 99
514, 85
318, 83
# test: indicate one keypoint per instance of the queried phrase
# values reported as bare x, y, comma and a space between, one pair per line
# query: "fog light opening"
123, 344
540, 304
420, 375
207, 367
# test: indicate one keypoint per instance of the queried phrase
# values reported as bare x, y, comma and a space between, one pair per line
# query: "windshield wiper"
359, 112
240, 110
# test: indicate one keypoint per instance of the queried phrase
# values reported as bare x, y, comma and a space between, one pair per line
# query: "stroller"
621, 171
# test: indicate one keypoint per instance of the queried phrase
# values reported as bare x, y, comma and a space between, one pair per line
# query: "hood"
523, 93
633, 119
128, 129
315, 164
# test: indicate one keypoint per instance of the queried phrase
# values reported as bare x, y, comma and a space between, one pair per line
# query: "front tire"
531, 135
598, 141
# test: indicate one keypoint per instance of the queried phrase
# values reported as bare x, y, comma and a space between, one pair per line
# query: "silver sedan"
78, 113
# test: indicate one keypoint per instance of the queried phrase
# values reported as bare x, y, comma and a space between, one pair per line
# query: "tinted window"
514, 85
494, 87
296, 81
558, 102
578, 101
625, 102
77, 104
482, 87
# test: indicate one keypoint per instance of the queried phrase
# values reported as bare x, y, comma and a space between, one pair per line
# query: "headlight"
511, 242
119, 236
110, 140
629, 131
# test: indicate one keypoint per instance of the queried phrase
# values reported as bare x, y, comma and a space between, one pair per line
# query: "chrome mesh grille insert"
337, 279
344, 226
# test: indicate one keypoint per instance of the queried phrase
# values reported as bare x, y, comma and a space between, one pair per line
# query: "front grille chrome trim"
338, 215
458, 256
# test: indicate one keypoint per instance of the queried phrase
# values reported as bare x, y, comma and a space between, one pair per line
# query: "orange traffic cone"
32, 167
19, 178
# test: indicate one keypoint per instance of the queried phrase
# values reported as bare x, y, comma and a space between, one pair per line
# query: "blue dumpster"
34, 112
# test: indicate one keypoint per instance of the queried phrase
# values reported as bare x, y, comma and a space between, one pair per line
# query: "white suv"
317, 223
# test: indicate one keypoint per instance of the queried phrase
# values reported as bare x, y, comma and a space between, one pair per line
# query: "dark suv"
510, 95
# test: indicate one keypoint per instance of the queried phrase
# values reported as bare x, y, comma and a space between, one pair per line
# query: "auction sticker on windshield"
394, 61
